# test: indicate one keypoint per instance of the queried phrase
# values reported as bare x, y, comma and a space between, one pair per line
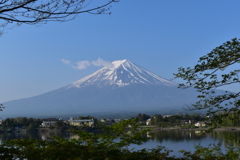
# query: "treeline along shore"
89, 123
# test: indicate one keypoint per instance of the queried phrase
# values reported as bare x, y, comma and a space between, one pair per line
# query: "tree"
1, 107
156, 118
143, 117
17, 12
59, 123
210, 73
112, 144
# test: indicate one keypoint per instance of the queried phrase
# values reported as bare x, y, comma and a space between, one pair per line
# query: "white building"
82, 122
49, 122
148, 121
200, 124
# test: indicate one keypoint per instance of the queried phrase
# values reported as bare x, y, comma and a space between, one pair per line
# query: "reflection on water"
194, 136
33, 135
177, 135
187, 139
172, 139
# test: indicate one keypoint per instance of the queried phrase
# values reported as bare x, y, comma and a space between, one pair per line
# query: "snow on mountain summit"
121, 73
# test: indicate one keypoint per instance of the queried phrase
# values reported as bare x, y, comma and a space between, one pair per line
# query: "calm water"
186, 139
172, 139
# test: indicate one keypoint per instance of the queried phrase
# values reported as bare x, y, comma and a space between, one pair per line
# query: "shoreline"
154, 128
175, 128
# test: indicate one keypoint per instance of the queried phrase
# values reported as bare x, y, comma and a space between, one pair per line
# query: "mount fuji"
122, 86
119, 74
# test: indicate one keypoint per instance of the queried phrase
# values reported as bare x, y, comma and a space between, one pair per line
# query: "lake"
172, 139
186, 139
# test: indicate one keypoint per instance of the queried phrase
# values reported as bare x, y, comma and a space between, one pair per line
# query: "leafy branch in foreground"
210, 73
213, 151
112, 144
1, 107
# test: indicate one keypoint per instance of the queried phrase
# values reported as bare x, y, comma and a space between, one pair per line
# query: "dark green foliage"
1, 107
87, 117
176, 120
60, 124
213, 152
30, 123
143, 117
209, 74
112, 144
97, 123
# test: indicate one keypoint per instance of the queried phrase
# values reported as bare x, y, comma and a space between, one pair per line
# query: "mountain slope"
121, 73
121, 86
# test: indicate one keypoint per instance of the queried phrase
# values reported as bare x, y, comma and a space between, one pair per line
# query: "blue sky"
159, 35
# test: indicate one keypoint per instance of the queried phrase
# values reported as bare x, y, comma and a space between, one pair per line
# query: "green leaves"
1, 107
111, 143
214, 151
209, 74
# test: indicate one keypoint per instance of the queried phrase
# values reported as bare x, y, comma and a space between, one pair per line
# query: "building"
200, 124
49, 122
117, 120
82, 122
167, 116
148, 121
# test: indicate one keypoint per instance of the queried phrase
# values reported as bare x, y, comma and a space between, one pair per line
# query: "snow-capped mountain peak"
121, 73
118, 63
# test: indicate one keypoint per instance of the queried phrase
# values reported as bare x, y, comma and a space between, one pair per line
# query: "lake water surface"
172, 139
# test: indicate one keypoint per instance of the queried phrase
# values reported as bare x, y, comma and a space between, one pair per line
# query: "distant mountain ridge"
122, 86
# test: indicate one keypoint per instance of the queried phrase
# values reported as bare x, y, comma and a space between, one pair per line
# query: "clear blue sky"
160, 35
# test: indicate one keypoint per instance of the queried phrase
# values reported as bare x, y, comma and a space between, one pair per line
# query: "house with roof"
49, 122
82, 122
